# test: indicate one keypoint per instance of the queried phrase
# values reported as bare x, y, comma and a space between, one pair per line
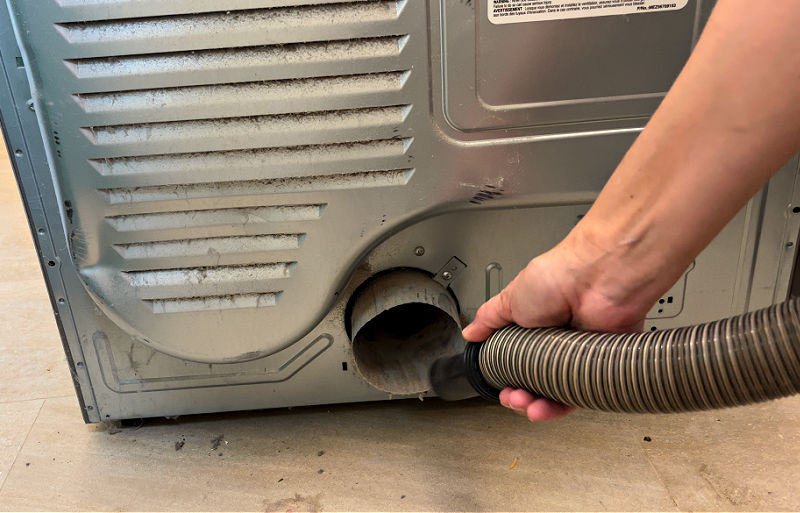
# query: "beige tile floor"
404, 455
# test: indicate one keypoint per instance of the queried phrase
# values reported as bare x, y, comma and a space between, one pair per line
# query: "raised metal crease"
383, 178
220, 60
260, 159
241, 216
210, 246
212, 24
288, 368
298, 124
273, 94
746, 359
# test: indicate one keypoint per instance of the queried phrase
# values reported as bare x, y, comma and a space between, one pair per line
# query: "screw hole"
51, 263
90, 408
660, 310
79, 364
653, 328
796, 210
661, 301
18, 153
61, 301
41, 231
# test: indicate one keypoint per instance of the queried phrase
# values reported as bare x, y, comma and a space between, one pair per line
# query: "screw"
30, 104
447, 276
419, 251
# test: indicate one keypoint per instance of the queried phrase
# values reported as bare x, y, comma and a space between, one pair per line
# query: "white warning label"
519, 11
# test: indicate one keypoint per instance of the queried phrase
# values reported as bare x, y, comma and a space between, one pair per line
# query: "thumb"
493, 315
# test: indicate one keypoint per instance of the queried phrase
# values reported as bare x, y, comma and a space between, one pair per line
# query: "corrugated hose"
745, 359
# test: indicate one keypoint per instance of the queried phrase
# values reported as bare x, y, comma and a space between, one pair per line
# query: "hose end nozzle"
458, 377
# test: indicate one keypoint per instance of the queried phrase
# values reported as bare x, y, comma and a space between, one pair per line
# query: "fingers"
493, 315
517, 400
504, 396
535, 408
520, 399
545, 409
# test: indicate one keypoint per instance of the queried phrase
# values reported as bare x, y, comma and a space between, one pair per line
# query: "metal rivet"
447, 276
61, 301
30, 104
419, 251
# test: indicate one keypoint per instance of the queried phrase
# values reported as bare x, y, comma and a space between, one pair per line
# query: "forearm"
728, 123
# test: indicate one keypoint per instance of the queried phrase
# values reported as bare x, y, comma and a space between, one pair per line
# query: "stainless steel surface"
611, 69
211, 185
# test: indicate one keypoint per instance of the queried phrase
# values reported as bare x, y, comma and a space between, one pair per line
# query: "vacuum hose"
745, 359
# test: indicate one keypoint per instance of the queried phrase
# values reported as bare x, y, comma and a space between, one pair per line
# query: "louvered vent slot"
199, 304
287, 161
151, 282
212, 245
208, 64
216, 108
281, 24
205, 219
280, 130
201, 5
257, 187
159, 288
269, 96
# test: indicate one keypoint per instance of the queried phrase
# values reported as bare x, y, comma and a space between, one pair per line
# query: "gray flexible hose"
746, 359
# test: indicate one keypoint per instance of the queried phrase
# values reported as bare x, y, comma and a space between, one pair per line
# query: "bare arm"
729, 122
731, 119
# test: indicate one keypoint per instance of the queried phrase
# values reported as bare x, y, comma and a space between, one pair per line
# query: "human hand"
572, 284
